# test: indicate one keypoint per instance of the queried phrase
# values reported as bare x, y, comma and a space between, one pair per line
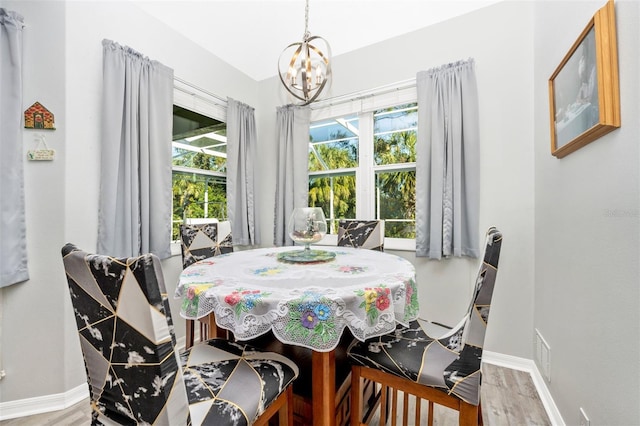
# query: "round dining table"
304, 300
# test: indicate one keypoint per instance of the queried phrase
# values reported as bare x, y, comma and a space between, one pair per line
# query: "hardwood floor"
76, 415
508, 398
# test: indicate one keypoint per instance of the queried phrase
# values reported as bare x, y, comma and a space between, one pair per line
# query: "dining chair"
134, 372
430, 361
367, 234
201, 239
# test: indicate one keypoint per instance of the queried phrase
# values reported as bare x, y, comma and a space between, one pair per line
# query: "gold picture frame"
584, 92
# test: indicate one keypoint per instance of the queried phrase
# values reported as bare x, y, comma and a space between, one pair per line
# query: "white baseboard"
43, 404
48, 403
527, 365
180, 342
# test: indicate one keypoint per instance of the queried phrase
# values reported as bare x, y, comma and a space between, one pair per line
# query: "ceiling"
251, 34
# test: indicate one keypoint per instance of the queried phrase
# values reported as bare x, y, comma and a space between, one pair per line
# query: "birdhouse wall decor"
39, 117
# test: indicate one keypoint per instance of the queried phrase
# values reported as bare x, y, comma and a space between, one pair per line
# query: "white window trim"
364, 104
399, 244
394, 94
198, 100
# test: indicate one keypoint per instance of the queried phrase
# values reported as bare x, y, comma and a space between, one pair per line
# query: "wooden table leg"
323, 382
212, 328
189, 337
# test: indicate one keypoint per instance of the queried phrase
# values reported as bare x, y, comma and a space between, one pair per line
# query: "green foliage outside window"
193, 195
199, 168
334, 150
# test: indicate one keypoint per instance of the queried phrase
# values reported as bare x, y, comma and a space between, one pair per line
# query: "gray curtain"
134, 215
292, 180
241, 152
13, 239
447, 170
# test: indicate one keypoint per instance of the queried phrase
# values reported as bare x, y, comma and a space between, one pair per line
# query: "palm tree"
335, 191
397, 188
335, 194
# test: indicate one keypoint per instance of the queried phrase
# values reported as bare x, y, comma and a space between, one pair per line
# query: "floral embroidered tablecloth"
306, 304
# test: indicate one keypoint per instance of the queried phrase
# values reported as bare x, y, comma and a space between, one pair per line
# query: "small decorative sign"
40, 154
38, 117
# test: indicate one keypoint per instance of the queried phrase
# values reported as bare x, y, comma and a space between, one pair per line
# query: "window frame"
192, 98
364, 105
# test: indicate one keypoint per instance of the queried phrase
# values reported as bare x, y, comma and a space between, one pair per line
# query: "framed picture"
584, 93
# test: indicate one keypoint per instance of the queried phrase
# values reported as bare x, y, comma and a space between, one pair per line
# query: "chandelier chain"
306, 20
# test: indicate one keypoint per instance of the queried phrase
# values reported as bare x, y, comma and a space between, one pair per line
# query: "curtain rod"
336, 100
218, 99
354, 96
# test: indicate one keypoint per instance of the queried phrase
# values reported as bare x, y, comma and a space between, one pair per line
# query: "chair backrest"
478, 312
126, 335
467, 338
367, 234
202, 240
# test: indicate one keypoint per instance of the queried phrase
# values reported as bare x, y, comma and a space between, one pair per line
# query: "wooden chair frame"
469, 414
283, 405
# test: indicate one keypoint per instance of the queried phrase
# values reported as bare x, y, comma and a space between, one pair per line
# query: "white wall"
504, 70
26, 342
582, 275
587, 227
503, 67
63, 70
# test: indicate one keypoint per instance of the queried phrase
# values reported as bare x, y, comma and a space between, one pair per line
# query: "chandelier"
304, 68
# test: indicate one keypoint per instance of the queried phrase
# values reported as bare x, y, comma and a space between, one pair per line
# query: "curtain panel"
134, 214
448, 154
292, 180
13, 239
241, 152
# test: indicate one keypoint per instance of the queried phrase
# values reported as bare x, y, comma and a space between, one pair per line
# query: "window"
394, 153
362, 165
199, 149
333, 162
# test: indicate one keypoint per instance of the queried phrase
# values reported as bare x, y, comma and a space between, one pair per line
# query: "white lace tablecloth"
252, 292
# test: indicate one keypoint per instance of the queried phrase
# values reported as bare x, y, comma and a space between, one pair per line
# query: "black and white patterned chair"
134, 372
432, 362
203, 240
200, 239
367, 234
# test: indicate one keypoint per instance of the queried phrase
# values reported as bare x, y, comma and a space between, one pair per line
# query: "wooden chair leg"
285, 414
430, 413
356, 397
468, 414
394, 406
189, 334
283, 406
290, 406
405, 410
383, 405
203, 331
